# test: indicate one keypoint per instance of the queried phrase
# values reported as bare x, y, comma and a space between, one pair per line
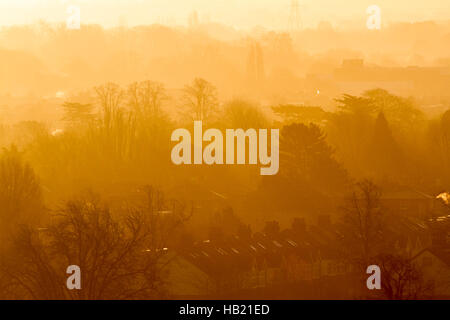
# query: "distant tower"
295, 19
255, 65
193, 20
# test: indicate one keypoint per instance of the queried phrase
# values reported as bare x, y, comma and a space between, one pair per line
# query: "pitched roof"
442, 253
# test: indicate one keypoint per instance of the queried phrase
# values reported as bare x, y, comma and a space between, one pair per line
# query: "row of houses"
303, 261
434, 260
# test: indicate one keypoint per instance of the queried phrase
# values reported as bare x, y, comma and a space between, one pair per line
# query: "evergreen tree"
384, 154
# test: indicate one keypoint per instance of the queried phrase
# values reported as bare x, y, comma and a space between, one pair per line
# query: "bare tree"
110, 97
119, 257
146, 98
362, 223
244, 114
401, 279
201, 99
117, 127
77, 113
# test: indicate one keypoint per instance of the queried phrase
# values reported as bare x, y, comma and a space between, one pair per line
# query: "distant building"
260, 263
302, 262
353, 77
409, 202
434, 262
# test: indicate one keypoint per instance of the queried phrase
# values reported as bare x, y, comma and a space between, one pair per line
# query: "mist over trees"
85, 127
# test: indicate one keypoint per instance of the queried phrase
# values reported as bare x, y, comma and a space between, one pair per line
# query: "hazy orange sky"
238, 13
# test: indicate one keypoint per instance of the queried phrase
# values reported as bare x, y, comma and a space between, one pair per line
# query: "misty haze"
94, 95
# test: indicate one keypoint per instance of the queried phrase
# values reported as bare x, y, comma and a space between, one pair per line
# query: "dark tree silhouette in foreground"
401, 279
362, 223
119, 257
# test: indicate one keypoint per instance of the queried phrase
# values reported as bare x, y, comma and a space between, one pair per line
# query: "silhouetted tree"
305, 155
439, 147
355, 105
400, 112
77, 113
362, 224
200, 98
119, 257
243, 114
350, 130
384, 154
116, 132
20, 193
401, 279
308, 172
301, 114
146, 99
110, 97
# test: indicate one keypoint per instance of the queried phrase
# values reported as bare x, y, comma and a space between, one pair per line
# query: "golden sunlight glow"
239, 13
